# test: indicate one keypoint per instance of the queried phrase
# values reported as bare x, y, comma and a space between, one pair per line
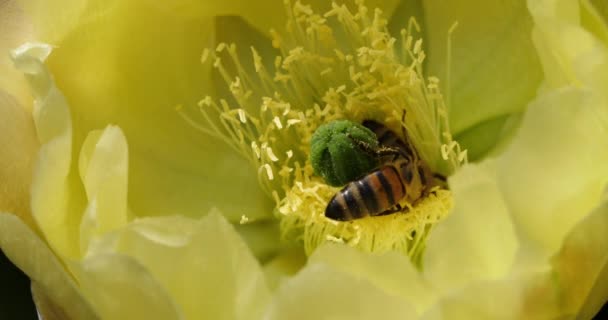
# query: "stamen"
332, 66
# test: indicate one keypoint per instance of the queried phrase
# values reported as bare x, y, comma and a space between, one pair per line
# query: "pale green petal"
27, 251
262, 238
54, 198
16, 29
46, 308
494, 66
530, 296
52, 21
570, 55
116, 69
103, 170
553, 173
594, 15
120, 288
582, 265
270, 14
321, 292
18, 147
203, 264
478, 240
284, 266
483, 138
601, 7
391, 272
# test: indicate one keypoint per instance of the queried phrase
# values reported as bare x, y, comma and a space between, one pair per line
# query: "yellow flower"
133, 213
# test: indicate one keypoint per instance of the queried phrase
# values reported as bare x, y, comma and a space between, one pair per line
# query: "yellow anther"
277, 122
204, 55
242, 115
314, 83
271, 155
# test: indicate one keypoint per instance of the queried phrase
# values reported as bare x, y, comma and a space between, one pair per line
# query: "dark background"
15, 298
16, 301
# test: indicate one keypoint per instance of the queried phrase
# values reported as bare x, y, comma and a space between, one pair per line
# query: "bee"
403, 175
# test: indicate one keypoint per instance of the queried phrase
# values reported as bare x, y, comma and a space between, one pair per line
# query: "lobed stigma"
342, 65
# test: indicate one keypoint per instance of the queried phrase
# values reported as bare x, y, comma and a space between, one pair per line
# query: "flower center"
342, 65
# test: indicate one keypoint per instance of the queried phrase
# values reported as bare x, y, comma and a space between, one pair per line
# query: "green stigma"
336, 151
288, 121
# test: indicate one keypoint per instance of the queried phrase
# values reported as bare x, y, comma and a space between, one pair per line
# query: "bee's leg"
408, 147
425, 193
395, 209
388, 152
377, 151
440, 180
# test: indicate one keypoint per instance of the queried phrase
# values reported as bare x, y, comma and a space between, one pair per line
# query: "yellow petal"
128, 291
45, 307
54, 198
103, 167
203, 264
582, 265
284, 266
478, 240
594, 17
27, 251
104, 175
262, 238
391, 272
18, 147
494, 66
51, 22
601, 7
517, 296
321, 292
131, 66
16, 29
484, 138
570, 55
553, 173
270, 14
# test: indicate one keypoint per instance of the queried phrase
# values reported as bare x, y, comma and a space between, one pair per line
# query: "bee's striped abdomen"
368, 196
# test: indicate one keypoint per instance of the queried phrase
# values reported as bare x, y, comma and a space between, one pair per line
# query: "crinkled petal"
18, 147
581, 265
54, 197
131, 66
120, 288
391, 272
35, 258
494, 66
203, 264
553, 173
478, 240
321, 292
